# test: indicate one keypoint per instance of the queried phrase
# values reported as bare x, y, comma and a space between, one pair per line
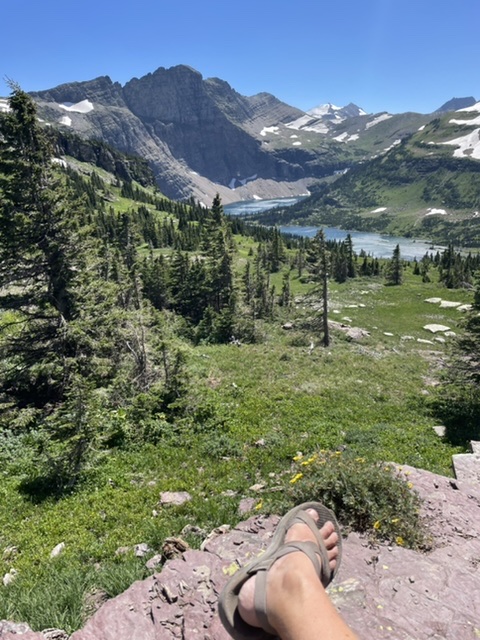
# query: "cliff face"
200, 136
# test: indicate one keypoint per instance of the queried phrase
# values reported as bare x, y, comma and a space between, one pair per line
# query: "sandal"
316, 552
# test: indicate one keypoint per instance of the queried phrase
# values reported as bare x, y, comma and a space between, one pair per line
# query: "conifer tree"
318, 264
394, 273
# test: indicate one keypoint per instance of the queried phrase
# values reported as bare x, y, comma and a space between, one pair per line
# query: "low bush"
367, 497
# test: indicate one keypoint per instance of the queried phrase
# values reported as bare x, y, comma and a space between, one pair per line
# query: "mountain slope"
426, 185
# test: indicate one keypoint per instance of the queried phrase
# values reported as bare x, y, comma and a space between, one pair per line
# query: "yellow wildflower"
377, 525
298, 457
409, 485
400, 541
259, 505
305, 463
296, 478
359, 459
394, 520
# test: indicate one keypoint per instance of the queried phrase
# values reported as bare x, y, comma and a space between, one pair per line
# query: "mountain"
426, 185
200, 136
456, 103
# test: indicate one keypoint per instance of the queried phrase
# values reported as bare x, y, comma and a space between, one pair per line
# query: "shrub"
366, 497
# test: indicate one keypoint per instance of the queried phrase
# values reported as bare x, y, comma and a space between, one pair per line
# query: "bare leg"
298, 606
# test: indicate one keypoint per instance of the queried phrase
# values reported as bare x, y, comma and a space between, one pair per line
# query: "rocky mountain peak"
456, 103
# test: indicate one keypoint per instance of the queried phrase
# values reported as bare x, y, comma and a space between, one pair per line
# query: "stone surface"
174, 497
57, 550
382, 591
435, 328
448, 304
433, 300
440, 430
467, 467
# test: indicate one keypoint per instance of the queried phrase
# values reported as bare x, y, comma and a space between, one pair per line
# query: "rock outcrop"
200, 136
382, 591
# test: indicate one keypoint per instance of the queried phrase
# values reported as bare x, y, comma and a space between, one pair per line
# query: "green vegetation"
143, 350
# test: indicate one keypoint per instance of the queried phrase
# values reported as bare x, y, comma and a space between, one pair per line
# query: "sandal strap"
316, 553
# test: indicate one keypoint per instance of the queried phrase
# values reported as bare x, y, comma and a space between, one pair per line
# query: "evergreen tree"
458, 400
394, 272
318, 263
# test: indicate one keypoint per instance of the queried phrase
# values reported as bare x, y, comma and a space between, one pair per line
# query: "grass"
255, 408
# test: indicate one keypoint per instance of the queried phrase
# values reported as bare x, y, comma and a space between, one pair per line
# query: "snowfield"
85, 106
468, 146
377, 120
472, 122
436, 212
474, 107
266, 130
66, 120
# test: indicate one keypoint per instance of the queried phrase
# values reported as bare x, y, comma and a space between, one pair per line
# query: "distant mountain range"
201, 137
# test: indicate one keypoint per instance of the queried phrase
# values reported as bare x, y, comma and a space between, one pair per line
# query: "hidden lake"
374, 244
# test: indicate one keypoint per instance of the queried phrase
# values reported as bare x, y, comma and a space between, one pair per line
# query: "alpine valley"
411, 174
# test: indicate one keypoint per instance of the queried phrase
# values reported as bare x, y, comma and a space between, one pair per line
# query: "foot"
282, 569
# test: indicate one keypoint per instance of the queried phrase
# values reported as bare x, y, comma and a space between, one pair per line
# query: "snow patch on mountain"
323, 110
266, 130
468, 146
308, 123
84, 106
472, 122
66, 120
377, 120
474, 107
436, 212
296, 144
4, 105
379, 210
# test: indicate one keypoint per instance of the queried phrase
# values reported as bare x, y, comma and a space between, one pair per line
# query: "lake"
375, 244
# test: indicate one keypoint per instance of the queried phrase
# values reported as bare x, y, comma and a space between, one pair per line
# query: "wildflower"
395, 520
359, 459
377, 525
305, 463
338, 453
259, 505
409, 485
400, 541
296, 478
298, 457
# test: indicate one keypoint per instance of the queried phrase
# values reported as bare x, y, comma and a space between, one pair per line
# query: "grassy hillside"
125, 382
252, 408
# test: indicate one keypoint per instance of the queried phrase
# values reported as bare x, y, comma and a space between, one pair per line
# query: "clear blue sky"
393, 55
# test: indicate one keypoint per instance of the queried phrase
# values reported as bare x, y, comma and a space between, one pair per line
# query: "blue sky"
384, 55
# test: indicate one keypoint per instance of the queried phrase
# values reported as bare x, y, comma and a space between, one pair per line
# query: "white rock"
421, 340
433, 300
387, 333
335, 311
465, 307
175, 497
440, 430
141, 549
439, 339
448, 304
56, 551
9, 577
434, 328
407, 338
347, 319
450, 334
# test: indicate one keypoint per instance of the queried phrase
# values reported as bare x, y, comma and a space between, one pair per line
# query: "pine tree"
318, 263
394, 273
458, 400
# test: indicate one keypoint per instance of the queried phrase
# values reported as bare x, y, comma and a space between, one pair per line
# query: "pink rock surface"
382, 592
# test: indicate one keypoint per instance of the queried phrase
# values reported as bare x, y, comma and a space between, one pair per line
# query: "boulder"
435, 328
